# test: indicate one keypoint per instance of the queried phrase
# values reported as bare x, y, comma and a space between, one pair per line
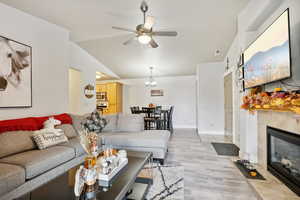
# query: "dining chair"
135, 110
170, 120
150, 119
132, 110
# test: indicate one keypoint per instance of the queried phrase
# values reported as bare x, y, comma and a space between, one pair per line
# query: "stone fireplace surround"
272, 188
281, 120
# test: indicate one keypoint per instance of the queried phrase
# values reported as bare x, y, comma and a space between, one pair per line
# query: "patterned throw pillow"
94, 123
48, 139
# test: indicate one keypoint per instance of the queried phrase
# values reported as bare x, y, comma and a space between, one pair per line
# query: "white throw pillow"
49, 136
49, 139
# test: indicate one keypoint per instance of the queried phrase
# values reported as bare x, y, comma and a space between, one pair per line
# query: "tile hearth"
271, 188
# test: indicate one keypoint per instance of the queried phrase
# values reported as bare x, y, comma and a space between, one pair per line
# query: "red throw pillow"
64, 118
24, 124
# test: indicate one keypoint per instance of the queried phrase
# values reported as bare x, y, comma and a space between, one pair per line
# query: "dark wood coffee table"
62, 187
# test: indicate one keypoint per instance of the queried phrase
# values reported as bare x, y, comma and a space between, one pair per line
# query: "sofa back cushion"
68, 129
24, 124
77, 120
130, 123
16, 142
112, 123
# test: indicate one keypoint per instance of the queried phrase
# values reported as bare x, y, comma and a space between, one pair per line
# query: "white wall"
75, 96
53, 55
210, 98
179, 91
79, 59
49, 60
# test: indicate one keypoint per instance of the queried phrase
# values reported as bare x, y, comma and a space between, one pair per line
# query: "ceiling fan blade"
153, 44
123, 29
149, 22
166, 33
130, 41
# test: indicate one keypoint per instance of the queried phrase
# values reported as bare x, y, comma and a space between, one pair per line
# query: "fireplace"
283, 157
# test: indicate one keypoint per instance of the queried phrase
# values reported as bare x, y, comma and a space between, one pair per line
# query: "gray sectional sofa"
24, 168
126, 131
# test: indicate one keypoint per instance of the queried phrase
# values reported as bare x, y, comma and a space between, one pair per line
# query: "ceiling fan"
144, 32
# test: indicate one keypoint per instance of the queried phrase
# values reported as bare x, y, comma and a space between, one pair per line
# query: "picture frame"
15, 74
241, 60
241, 73
157, 93
227, 65
241, 86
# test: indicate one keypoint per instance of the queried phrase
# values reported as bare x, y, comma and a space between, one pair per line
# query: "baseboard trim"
210, 133
184, 127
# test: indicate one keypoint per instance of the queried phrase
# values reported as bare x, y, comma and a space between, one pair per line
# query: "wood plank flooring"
207, 176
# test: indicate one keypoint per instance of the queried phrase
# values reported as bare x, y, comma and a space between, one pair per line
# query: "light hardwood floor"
207, 176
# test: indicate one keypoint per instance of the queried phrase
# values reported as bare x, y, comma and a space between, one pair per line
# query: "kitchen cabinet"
101, 88
114, 92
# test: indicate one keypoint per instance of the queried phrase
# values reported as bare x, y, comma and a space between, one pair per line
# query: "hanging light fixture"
151, 82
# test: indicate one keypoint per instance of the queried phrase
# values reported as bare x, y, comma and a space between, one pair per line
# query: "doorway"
75, 91
228, 105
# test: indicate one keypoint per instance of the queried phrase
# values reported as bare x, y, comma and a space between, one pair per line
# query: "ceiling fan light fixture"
144, 39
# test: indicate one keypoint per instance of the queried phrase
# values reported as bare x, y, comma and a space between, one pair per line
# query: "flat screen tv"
268, 58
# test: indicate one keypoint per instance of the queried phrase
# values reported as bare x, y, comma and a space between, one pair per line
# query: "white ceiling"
203, 27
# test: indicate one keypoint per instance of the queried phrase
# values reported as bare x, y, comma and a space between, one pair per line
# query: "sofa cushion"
11, 176
75, 144
130, 123
68, 129
78, 120
63, 118
112, 122
36, 162
24, 124
148, 139
15, 142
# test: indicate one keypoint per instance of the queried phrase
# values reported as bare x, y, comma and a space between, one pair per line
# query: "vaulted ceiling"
203, 26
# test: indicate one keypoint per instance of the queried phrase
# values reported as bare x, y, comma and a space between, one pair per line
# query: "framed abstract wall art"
157, 93
268, 58
15, 74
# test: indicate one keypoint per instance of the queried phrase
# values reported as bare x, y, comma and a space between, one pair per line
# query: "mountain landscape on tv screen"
268, 66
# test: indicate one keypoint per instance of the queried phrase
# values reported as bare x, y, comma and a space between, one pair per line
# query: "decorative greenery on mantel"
286, 101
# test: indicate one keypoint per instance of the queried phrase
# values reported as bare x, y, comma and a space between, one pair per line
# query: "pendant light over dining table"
151, 82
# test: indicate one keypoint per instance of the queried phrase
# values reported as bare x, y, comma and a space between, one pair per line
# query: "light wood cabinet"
114, 93
101, 88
